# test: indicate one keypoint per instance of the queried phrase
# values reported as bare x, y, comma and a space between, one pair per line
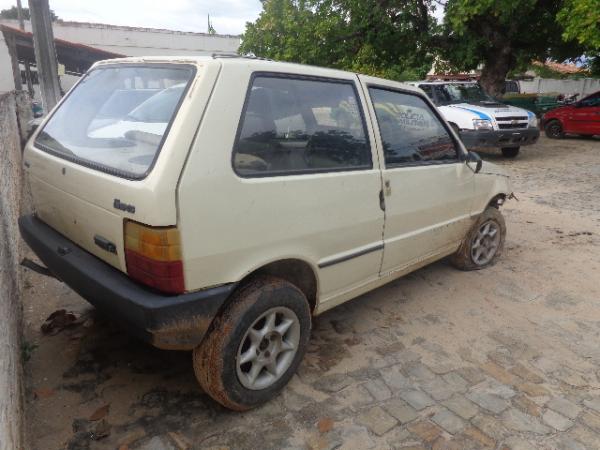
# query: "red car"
582, 118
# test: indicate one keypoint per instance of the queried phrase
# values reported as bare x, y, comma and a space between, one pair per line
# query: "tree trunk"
495, 70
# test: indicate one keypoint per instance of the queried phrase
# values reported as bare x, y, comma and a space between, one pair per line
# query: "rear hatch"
95, 161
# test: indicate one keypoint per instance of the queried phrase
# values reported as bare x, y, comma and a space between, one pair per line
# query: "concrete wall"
581, 86
6, 76
11, 398
127, 41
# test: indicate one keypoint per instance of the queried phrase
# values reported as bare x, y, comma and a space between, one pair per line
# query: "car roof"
255, 63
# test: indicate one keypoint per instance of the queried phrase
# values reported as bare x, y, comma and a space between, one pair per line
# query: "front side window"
117, 117
410, 131
293, 126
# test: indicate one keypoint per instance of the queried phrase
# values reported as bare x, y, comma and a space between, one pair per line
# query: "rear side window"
296, 125
409, 129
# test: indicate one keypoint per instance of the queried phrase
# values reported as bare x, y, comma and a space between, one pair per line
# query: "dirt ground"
504, 358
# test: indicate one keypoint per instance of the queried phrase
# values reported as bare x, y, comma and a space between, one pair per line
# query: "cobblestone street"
503, 358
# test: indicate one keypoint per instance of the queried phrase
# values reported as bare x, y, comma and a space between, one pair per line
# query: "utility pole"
45, 53
26, 63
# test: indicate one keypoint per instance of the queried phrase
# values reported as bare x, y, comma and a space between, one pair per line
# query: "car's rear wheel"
510, 152
554, 130
255, 345
484, 241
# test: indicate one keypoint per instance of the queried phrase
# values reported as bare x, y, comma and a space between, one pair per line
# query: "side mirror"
473, 157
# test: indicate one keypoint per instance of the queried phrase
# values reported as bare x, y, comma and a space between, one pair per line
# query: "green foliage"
508, 34
27, 349
12, 13
400, 39
378, 37
581, 22
211, 29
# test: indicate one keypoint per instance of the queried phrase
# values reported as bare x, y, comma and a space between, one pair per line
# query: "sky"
227, 16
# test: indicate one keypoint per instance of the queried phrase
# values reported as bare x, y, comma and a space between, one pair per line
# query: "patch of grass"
27, 349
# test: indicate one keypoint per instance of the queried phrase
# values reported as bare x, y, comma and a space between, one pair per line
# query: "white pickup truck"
480, 120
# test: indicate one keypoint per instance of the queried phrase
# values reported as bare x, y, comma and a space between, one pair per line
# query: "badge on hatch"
117, 204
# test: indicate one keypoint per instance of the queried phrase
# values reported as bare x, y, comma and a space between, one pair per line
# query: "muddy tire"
510, 152
255, 345
554, 130
484, 242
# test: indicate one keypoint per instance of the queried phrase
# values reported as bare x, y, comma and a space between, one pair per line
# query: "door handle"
381, 200
388, 188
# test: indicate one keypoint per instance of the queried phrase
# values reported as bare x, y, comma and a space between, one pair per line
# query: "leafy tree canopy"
400, 39
11, 13
505, 35
387, 38
581, 22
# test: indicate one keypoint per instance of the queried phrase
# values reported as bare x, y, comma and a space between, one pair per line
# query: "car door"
428, 190
585, 115
301, 183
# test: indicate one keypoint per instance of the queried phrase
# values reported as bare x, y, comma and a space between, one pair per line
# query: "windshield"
446, 94
117, 117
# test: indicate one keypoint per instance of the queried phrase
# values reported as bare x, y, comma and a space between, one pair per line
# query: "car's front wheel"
510, 152
484, 241
255, 345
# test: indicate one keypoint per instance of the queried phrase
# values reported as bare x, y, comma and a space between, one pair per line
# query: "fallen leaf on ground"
100, 413
325, 424
100, 431
59, 320
43, 393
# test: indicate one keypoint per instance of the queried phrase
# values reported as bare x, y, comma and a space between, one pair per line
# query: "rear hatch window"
117, 117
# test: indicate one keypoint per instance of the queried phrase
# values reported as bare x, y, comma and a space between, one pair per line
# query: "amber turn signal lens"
153, 256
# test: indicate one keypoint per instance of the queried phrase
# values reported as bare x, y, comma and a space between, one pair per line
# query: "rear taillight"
153, 256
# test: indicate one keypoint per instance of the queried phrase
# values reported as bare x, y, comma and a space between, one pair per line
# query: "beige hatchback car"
217, 204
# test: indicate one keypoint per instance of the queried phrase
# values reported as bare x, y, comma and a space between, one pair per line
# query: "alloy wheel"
268, 348
484, 244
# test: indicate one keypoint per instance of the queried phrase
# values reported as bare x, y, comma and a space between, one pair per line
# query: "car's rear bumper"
501, 138
170, 322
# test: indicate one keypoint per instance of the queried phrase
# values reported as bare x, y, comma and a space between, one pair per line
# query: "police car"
480, 120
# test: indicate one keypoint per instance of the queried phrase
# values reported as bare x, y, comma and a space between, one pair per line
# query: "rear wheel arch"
248, 329
296, 271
